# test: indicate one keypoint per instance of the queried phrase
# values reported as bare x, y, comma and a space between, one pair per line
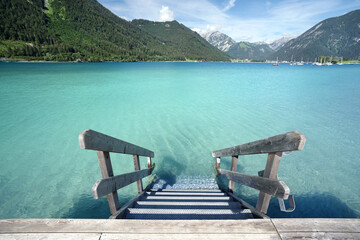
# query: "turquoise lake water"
182, 112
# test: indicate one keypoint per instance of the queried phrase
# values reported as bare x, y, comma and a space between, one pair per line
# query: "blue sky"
243, 20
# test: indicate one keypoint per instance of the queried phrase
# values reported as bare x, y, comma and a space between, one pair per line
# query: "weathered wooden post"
267, 182
104, 144
137, 168
271, 170
234, 161
106, 172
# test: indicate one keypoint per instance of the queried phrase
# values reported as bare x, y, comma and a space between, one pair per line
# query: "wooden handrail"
104, 144
270, 186
290, 141
105, 186
90, 139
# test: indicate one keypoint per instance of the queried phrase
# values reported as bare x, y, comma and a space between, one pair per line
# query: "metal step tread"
141, 213
186, 190
184, 204
160, 193
188, 198
186, 211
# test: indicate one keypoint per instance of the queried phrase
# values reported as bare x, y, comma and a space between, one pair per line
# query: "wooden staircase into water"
192, 203
186, 213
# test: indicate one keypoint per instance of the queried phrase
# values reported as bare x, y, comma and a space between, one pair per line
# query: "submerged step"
177, 193
188, 198
185, 190
142, 213
184, 205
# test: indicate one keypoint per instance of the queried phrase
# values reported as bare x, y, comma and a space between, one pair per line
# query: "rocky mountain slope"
243, 50
338, 36
219, 40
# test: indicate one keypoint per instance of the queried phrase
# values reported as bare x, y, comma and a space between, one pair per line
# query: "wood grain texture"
248, 226
51, 236
105, 186
180, 236
137, 168
93, 140
344, 225
291, 141
233, 167
271, 170
107, 172
320, 235
270, 186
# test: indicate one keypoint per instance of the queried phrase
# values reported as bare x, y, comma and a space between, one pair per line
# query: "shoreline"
20, 60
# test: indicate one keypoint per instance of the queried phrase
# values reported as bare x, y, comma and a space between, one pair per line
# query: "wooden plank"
271, 170
137, 168
106, 172
105, 186
51, 236
233, 167
93, 140
253, 210
120, 213
319, 235
248, 226
342, 225
290, 141
185, 236
270, 186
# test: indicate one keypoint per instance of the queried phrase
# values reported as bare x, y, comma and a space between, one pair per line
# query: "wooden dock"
106, 229
187, 213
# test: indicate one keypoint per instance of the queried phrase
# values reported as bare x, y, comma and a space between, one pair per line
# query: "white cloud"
207, 29
166, 14
229, 5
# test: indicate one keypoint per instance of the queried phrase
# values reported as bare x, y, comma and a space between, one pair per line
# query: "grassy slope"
187, 43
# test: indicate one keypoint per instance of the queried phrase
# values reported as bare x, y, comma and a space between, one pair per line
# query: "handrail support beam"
234, 161
137, 168
106, 172
271, 170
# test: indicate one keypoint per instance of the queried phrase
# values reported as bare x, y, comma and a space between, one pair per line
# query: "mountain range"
84, 30
243, 50
338, 36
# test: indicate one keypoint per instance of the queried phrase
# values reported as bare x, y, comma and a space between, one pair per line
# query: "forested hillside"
182, 40
247, 50
83, 30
